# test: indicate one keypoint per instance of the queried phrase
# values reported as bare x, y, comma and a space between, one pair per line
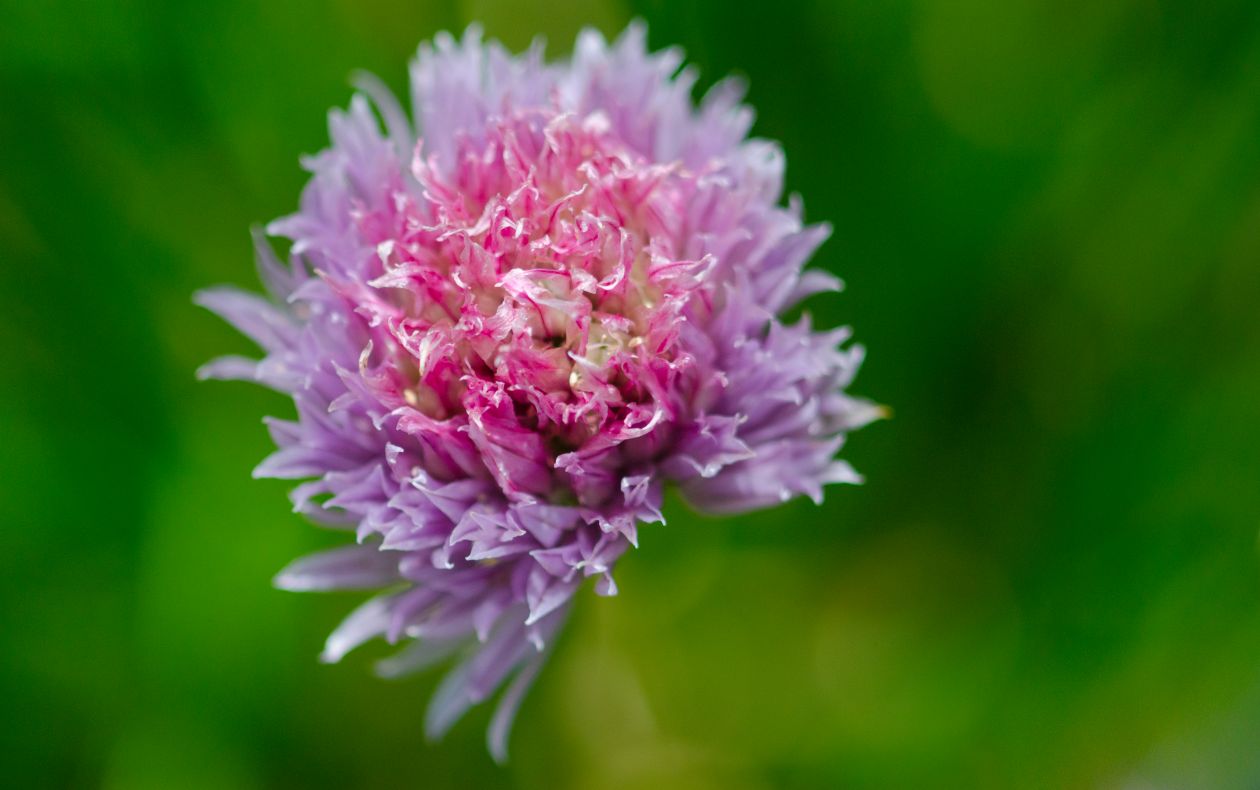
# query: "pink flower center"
539, 283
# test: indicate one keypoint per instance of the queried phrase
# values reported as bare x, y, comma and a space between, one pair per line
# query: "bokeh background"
1048, 216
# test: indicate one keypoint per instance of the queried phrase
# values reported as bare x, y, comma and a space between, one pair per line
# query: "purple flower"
507, 328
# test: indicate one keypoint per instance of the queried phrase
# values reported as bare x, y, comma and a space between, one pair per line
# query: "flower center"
540, 270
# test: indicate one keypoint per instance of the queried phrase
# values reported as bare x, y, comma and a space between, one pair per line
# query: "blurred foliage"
1048, 216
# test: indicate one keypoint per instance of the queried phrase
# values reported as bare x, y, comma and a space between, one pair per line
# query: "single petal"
346, 568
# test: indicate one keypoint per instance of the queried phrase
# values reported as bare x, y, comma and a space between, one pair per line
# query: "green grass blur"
1048, 217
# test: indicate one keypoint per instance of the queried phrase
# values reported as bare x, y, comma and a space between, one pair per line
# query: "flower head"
505, 336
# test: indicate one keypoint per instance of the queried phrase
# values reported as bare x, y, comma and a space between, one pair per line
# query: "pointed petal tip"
284, 580
205, 297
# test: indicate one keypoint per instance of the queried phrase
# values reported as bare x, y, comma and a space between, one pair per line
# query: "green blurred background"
1048, 216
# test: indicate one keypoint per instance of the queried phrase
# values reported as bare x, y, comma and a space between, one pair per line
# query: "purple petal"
346, 568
